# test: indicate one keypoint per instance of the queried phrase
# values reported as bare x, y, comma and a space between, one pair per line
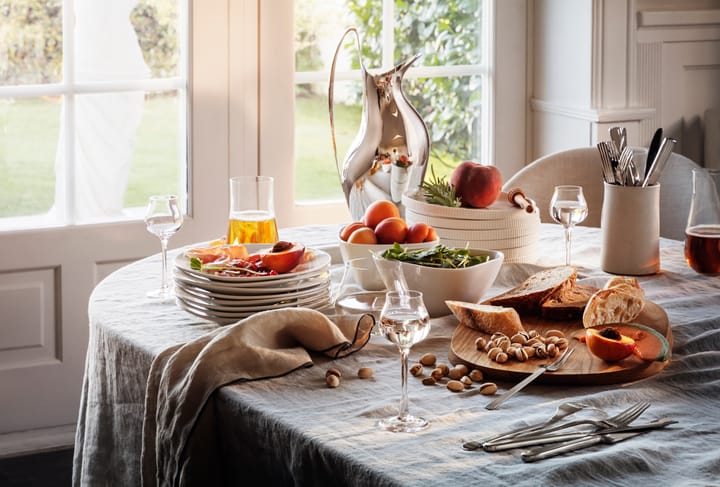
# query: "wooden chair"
582, 167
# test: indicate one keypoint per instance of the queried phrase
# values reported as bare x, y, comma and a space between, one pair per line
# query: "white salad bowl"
438, 285
370, 281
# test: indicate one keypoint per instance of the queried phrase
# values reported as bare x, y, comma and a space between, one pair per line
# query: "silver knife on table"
542, 453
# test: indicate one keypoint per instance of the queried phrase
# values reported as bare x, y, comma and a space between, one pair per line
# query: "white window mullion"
66, 204
487, 116
388, 34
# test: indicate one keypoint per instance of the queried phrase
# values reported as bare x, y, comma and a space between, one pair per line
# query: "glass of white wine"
163, 218
404, 321
568, 207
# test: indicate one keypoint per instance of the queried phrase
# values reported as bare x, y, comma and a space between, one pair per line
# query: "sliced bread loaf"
567, 303
529, 294
620, 301
486, 318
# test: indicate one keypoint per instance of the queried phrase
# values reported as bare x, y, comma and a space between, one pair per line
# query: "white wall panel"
28, 335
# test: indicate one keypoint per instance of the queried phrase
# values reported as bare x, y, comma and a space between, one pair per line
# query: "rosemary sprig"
439, 191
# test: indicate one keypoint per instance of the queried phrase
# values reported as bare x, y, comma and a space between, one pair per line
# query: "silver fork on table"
551, 367
563, 410
539, 437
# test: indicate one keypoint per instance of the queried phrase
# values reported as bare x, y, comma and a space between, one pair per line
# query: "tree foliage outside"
444, 33
31, 39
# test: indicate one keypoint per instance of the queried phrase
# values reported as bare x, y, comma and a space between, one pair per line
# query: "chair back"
582, 167
579, 167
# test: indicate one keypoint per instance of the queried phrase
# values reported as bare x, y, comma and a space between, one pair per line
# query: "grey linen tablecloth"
293, 430
182, 379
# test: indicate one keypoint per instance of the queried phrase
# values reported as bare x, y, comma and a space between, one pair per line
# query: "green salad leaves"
438, 256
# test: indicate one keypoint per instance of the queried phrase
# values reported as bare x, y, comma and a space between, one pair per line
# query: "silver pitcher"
390, 152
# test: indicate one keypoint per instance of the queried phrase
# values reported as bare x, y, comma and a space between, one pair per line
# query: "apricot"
417, 232
609, 344
391, 230
378, 211
431, 235
348, 229
364, 235
283, 257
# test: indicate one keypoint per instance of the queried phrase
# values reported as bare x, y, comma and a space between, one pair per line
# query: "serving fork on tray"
551, 367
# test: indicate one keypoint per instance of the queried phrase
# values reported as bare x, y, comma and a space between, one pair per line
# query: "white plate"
492, 237
501, 209
520, 222
225, 318
319, 261
244, 296
245, 289
225, 305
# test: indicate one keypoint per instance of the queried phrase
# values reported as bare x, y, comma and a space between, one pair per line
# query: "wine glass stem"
568, 241
404, 410
164, 246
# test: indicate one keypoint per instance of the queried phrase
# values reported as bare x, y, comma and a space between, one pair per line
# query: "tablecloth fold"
183, 377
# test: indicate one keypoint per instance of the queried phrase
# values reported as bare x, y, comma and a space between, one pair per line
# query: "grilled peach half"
615, 342
283, 257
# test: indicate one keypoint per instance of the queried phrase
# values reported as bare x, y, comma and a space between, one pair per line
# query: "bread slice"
567, 303
486, 318
532, 292
620, 301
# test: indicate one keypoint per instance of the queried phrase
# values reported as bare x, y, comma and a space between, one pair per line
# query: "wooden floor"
48, 469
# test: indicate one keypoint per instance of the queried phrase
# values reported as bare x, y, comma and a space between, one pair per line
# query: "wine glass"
568, 207
405, 322
163, 218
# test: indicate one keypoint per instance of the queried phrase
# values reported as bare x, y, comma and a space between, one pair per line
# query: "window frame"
505, 140
69, 89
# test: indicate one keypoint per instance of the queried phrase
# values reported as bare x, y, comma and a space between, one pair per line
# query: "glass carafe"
702, 234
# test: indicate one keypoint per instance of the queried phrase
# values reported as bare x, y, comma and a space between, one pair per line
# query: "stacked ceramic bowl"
225, 299
501, 226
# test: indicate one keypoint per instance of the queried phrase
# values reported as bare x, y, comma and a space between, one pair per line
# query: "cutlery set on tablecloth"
619, 165
554, 437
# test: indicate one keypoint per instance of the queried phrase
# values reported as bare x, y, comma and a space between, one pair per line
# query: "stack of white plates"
225, 300
501, 226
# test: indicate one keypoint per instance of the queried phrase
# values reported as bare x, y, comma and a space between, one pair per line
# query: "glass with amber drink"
702, 234
252, 214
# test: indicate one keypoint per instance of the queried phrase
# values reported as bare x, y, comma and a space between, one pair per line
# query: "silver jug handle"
331, 88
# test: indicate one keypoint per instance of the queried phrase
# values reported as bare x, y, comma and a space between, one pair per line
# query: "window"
93, 108
449, 85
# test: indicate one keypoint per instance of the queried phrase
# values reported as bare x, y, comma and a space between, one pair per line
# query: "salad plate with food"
254, 263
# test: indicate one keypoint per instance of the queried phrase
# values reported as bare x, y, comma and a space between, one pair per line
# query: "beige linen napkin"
264, 345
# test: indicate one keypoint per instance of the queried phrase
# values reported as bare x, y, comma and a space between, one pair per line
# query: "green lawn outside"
29, 130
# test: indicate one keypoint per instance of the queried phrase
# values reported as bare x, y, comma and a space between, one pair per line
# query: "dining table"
295, 430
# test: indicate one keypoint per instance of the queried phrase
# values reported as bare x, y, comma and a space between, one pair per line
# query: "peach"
364, 235
648, 344
417, 232
391, 230
348, 229
609, 344
431, 235
283, 257
477, 185
379, 210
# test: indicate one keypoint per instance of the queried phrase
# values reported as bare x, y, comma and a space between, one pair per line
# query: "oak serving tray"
582, 368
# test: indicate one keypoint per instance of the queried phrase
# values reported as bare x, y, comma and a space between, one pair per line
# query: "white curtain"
106, 49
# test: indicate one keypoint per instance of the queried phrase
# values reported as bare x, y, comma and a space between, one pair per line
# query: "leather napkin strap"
265, 345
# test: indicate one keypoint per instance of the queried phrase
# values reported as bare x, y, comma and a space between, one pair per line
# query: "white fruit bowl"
465, 284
